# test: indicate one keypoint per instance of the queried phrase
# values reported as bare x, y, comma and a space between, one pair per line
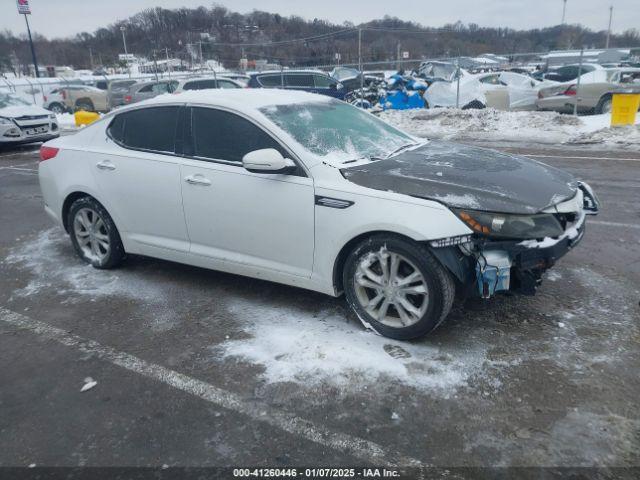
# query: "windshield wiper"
401, 149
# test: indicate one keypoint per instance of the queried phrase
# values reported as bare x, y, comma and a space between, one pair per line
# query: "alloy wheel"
391, 288
91, 233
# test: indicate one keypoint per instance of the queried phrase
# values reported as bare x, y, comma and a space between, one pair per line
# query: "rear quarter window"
299, 80
152, 129
274, 80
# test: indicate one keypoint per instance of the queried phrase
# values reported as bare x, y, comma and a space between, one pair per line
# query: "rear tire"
57, 108
604, 105
474, 105
397, 287
84, 105
94, 235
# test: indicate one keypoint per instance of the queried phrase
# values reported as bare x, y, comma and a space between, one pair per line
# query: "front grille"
31, 117
29, 127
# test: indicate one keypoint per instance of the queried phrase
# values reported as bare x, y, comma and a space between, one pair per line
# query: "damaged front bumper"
518, 266
488, 266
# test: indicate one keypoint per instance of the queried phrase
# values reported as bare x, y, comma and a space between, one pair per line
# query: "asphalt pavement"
200, 368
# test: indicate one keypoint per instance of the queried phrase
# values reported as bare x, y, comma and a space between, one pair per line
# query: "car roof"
244, 100
284, 72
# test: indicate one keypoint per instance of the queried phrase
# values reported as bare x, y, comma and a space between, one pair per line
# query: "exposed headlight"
5, 121
52, 116
520, 227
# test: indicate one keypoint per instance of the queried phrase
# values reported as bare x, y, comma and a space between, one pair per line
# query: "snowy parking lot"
184, 366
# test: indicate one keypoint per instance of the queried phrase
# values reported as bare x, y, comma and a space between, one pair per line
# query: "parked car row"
111, 94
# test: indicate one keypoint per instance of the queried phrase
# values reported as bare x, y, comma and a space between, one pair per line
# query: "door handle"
105, 165
197, 180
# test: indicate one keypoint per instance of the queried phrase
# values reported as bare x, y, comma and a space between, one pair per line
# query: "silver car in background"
117, 90
145, 90
595, 93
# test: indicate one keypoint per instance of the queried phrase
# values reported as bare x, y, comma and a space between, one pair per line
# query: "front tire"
94, 235
397, 287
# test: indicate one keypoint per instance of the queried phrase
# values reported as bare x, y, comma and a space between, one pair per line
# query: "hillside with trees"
218, 31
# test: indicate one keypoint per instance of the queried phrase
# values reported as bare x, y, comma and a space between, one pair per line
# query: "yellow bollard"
624, 108
85, 118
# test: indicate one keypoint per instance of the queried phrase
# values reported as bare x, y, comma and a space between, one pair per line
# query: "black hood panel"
468, 177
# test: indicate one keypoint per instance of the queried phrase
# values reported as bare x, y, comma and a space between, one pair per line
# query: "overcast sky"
59, 18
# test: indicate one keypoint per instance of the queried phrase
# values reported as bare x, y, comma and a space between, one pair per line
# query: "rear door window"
220, 135
200, 85
299, 80
226, 84
274, 80
152, 129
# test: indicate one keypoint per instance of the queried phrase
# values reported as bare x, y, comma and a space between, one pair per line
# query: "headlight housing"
520, 227
6, 121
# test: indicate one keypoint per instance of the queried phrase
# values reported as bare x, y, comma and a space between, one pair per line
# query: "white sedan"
309, 191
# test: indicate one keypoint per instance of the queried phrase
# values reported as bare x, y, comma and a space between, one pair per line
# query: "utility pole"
124, 39
398, 56
33, 50
201, 59
91, 58
126, 54
577, 95
360, 66
609, 29
564, 10
166, 51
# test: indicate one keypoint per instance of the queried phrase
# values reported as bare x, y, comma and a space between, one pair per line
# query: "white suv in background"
205, 83
22, 122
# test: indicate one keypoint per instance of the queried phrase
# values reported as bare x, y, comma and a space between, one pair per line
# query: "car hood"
468, 177
22, 111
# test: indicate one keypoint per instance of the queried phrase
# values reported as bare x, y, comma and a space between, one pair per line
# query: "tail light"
540, 94
127, 99
47, 153
63, 94
571, 91
44, 97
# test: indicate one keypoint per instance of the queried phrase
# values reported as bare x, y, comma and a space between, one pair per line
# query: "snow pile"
66, 121
295, 345
496, 125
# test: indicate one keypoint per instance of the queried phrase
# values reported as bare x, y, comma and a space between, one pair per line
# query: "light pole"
126, 54
564, 10
609, 29
124, 39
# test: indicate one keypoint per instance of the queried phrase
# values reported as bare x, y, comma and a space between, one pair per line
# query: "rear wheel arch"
72, 197
85, 101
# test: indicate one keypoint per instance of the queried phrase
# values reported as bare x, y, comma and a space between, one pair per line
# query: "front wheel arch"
338, 265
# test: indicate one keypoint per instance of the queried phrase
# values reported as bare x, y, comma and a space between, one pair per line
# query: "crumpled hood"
21, 111
468, 177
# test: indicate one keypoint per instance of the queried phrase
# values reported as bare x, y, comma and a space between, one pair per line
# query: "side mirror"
267, 160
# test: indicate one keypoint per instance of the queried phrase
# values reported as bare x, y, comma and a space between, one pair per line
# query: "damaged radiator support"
493, 272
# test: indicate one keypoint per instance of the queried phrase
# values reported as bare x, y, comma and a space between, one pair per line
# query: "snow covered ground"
528, 127
66, 121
